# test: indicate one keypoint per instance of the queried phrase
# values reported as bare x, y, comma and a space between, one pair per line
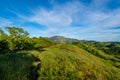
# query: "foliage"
112, 48
37, 58
68, 62
18, 39
16, 66
41, 42
4, 46
61, 62
99, 53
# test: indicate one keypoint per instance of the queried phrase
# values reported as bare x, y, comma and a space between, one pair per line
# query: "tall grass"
65, 62
16, 66
59, 62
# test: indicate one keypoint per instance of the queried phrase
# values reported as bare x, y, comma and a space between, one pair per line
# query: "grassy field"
58, 62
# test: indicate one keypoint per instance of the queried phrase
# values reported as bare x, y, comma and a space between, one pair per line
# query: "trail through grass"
58, 62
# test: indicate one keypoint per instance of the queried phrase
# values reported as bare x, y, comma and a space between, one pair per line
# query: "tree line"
15, 39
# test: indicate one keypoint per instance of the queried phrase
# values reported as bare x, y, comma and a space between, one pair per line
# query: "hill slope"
115, 61
61, 39
61, 62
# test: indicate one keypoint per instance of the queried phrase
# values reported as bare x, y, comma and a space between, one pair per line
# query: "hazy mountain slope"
61, 39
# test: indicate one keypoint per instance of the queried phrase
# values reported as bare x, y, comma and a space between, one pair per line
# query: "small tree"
17, 38
3, 42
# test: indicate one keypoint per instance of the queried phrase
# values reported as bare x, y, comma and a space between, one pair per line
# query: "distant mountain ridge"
61, 39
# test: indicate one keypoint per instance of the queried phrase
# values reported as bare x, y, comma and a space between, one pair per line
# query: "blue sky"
81, 19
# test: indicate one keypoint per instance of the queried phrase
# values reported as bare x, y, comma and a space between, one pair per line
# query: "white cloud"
51, 18
94, 19
59, 16
98, 4
113, 19
4, 22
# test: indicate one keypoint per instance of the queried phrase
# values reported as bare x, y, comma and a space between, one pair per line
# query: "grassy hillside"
16, 66
112, 48
58, 62
99, 53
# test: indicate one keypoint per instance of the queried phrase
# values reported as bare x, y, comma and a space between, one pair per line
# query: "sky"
97, 20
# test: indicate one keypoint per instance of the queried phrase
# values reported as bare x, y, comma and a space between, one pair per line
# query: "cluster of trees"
17, 39
112, 48
89, 48
98, 50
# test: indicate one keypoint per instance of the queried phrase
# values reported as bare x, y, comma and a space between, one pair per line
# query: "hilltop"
57, 58
56, 62
61, 39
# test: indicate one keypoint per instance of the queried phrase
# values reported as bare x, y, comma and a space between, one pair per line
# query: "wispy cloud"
4, 22
51, 18
76, 19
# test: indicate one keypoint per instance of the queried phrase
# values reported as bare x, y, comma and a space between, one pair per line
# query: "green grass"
65, 62
16, 66
58, 62
115, 61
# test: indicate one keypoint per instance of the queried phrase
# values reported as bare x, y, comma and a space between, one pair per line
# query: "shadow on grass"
18, 66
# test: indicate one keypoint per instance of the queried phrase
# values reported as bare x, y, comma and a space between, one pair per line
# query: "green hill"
115, 61
61, 62
37, 58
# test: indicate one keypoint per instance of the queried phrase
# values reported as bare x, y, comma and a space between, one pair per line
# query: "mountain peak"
62, 39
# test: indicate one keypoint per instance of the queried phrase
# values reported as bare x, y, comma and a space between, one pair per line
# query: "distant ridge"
61, 39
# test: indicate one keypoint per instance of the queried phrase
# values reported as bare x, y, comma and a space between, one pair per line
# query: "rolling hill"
61, 62
38, 58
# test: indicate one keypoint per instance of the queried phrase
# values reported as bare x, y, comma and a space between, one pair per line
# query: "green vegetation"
65, 62
25, 58
16, 66
112, 48
18, 39
61, 62
99, 53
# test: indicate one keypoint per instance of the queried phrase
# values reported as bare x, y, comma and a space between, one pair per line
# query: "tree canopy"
18, 39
